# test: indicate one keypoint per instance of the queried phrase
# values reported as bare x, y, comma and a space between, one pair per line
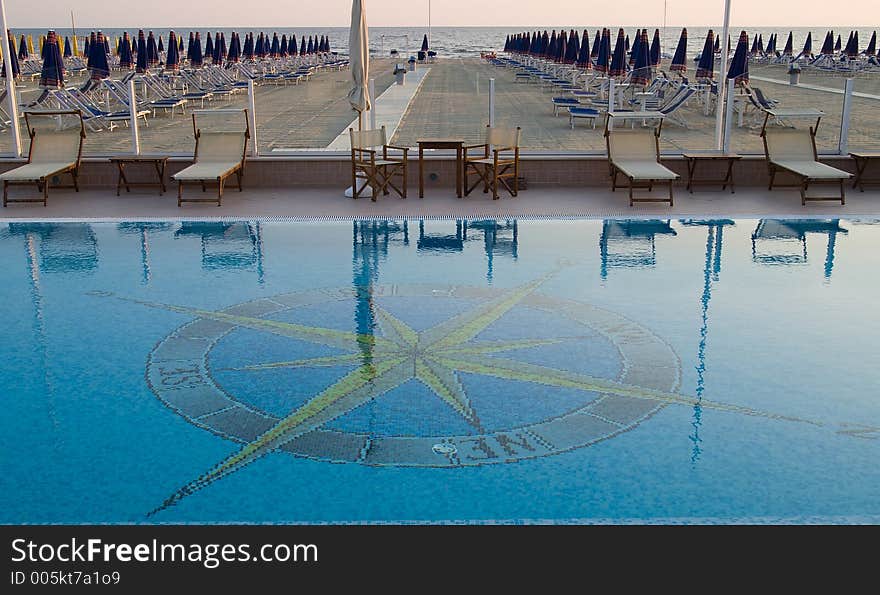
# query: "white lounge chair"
55, 149
221, 148
635, 153
793, 151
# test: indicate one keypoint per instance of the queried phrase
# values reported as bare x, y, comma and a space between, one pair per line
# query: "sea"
463, 42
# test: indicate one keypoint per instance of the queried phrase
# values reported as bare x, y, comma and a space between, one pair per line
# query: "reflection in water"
63, 247
711, 272
773, 240
143, 229
499, 238
443, 242
629, 243
228, 245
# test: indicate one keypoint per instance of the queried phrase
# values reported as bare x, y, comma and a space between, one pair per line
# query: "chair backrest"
55, 146
503, 137
789, 144
221, 146
676, 101
365, 139
639, 144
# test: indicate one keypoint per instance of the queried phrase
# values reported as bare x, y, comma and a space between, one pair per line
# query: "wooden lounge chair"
793, 151
53, 151
635, 153
498, 163
219, 153
376, 172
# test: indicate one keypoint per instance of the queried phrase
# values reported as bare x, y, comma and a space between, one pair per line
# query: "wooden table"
158, 161
693, 158
441, 143
862, 158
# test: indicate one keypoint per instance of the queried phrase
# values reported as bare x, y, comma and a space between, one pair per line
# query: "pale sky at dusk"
388, 13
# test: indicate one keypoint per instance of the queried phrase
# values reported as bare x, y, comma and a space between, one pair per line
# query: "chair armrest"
497, 150
466, 147
404, 149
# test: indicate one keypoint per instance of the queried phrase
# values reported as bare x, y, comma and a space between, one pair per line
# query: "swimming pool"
440, 371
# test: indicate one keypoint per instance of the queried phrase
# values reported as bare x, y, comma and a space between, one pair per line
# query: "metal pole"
611, 92
843, 145
10, 83
491, 102
725, 49
372, 88
728, 118
429, 24
252, 116
132, 111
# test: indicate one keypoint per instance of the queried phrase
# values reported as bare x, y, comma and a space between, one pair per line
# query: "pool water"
561, 371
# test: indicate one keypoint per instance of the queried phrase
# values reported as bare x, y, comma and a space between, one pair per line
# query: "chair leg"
240, 175
772, 176
179, 192
670, 194
220, 190
494, 184
842, 194
5, 192
75, 174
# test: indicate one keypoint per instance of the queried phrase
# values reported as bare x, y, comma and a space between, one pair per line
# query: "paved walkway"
329, 203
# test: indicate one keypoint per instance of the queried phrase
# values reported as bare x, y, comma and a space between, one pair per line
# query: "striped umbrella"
22, 49
655, 49
872, 45
209, 47
642, 72
739, 65
583, 59
13, 58
197, 56
141, 64
172, 58
125, 61
99, 69
706, 65
52, 73
679, 59
618, 59
152, 50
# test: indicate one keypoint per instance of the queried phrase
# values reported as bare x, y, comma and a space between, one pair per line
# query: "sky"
516, 14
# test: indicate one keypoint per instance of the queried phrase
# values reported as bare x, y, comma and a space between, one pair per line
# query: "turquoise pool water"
440, 371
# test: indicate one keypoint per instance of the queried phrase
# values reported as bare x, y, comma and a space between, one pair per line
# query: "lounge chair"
635, 154
219, 152
587, 113
52, 152
793, 151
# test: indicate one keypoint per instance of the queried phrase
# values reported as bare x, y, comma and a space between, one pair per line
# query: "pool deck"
536, 202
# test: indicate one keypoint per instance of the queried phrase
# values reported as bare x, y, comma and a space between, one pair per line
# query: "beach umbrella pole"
491, 102
10, 84
719, 112
728, 118
843, 144
132, 111
372, 88
252, 116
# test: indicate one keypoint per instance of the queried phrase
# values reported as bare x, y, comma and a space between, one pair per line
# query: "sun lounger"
587, 113
635, 154
793, 151
221, 148
54, 150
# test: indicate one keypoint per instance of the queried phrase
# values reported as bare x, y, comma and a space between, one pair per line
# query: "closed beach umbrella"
90, 49
209, 47
223, 49
852, 49
603, 55
706, 66
717, 47
180, 45
655, 49
837, 44
359, 57
550, 50
106, 45
828, 44
160, 45
872, 45
739, 65
283, 49
152, 50
573, 49
52, 73
275, 50
13, 58
259, 47
506, 43
626, 44
197, 59
291, 45
788, 50
635, 47
808, 46
679, 59
754, 50
327, 44
618, 58
217, 57
642, 73
125, 60
248, 49
172, 58
302, 47
30, 46
68, 52
597, 41
771, 44
425, 43
234, 48
583, 59
22, 49
561, 43
98, 67
189, 48
141, 64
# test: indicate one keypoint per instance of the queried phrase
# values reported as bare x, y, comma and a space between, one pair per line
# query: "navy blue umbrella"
13, 58
597, 41
106, 45
161, 46
275, 49
141, 65
788, 50
223, 48
739, 65
197, 57
99, 69
872, 45
23, 49
604, 54
52, 73
248, 50
283, 49
626, 43
189, 48
679, 59
642, 72
92, 39
550, 50
234, 48
561, 43
425, 43
618, 59
583, 59
291, 45
259, 50
852, 46
573, 48
706, 66
635, 46
655, 49
67, 51
172, 58
152, 50
837, 44
209, 47
754, 50
717, 47
771, 44
302, 46
760, 45
217, 56
808, 46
